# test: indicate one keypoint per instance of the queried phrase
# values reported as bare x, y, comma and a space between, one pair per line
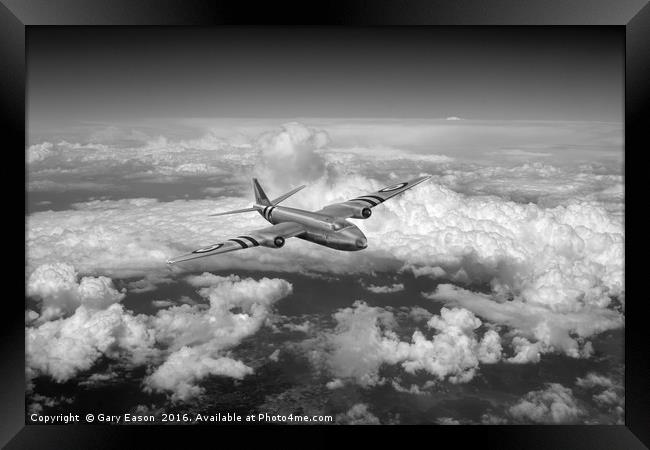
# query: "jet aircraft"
327, 226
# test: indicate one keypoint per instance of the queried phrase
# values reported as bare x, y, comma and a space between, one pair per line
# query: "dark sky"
114, 74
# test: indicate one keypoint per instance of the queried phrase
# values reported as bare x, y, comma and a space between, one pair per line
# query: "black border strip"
628, 13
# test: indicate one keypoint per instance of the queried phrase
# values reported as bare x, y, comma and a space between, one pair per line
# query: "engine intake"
278, 241
361, 212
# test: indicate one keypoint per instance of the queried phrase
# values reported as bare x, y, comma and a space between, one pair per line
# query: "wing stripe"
381, 200
364, 200
253, 241
239, 242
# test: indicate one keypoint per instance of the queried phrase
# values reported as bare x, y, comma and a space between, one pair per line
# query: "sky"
493, 293
117, 74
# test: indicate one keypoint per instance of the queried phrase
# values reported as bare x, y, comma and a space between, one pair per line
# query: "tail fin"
286, 196
260, 196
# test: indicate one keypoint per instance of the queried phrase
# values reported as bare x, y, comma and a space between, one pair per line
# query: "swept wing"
351, 207
273, 236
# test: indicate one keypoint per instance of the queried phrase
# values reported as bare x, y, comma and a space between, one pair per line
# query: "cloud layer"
527, 257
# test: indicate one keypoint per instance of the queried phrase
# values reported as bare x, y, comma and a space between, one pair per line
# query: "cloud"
447, 420
335, 384
39, 152
358, 414
183, 368
552, 328
162, 303
553, 405
197, 337
65, 347
607, 393
60, 293
563, 262
364, 339
182, 344
385, 289
148, 283
288, 157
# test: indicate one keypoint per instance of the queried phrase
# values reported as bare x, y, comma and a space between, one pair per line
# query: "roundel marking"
208, 249
394, 187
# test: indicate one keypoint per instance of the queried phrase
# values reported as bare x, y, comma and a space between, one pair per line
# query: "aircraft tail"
261, 199
260, 196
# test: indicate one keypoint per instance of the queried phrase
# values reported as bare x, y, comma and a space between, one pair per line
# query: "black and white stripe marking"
243, 245
250, 239
208, 249
371, 199
267, 212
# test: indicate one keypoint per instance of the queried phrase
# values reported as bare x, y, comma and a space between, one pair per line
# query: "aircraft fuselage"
321, 229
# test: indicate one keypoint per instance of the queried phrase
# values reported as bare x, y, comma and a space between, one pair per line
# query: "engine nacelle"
273, 242
362, 213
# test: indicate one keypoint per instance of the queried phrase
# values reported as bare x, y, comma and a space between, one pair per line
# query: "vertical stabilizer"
260, 196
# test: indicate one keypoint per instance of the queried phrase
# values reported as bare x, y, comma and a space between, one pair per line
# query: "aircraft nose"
362, 243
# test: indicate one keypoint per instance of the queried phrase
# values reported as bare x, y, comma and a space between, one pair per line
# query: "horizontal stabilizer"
237, 211
287, 195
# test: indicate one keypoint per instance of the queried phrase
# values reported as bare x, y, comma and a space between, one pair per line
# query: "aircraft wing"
348, 209
273, 237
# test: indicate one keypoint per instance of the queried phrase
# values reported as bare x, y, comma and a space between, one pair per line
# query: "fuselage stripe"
253, 241
239, 242
269, 213
264, 213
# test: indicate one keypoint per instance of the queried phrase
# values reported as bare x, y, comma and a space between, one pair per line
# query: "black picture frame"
632, 15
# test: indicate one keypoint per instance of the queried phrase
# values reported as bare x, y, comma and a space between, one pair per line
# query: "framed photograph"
389, 214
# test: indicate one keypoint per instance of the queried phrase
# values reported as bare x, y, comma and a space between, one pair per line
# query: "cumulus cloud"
182, 344
359, 414
551, 328
288, 157
365, 339
60, 292
183, 368
65, 347
607, 394
553, 405
197, 337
